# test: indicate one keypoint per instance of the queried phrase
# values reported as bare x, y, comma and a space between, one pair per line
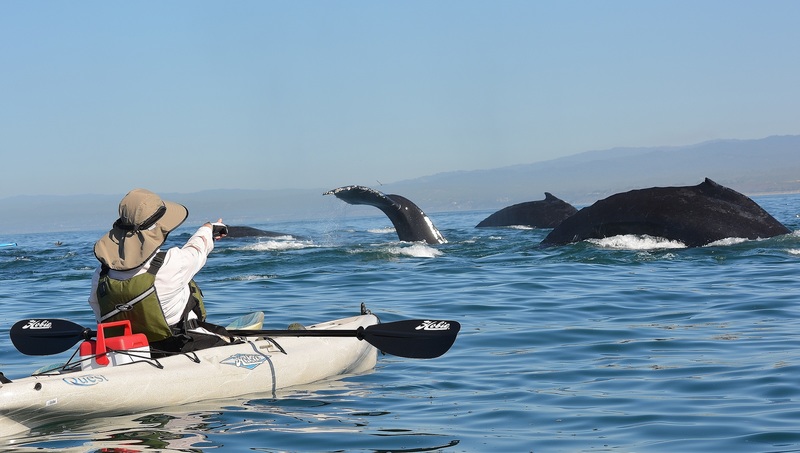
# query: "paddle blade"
413, 338
46, 336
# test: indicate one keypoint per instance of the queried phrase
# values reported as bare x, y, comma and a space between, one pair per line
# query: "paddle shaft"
358, 333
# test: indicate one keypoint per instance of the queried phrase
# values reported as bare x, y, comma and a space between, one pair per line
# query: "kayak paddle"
416, 339
412, 338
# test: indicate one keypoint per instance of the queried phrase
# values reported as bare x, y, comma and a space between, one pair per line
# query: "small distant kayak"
8, 244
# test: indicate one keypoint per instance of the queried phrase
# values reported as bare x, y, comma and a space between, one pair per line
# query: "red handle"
102, 357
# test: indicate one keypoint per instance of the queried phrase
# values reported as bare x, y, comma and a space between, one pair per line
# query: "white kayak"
256, 365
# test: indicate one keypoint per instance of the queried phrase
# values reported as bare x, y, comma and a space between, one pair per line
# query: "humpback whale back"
246, 231
547, 213
694, 215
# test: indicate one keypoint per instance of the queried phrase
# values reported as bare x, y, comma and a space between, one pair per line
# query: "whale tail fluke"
410, 222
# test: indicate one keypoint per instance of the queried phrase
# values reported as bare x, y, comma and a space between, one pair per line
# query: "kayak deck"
256, 365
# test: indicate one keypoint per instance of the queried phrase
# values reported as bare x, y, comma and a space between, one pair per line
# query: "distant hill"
768, 165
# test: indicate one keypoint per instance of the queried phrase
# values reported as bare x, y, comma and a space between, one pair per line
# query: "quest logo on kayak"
33, 324
86, 381
249, 361
433, 325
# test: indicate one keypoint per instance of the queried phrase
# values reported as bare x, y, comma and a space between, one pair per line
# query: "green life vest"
136, 299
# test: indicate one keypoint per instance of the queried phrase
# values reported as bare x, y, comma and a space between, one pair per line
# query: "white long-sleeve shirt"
172, 280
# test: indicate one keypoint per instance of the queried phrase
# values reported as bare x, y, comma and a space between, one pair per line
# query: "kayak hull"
256, 366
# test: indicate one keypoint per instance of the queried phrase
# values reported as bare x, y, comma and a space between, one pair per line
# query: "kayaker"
155, 289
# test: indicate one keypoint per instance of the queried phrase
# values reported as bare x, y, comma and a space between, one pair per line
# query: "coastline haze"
751, 167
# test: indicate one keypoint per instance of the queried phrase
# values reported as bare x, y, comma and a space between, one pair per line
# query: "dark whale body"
547, 213
411, 224
694, 215
246, 231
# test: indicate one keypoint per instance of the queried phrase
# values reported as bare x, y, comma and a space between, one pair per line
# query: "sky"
99, 97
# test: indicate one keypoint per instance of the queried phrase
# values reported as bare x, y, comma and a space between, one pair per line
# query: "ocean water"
624, 345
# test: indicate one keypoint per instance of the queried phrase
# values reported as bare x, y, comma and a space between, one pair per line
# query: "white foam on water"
417, 250
278, 245
727, 241
385, 230
636, 242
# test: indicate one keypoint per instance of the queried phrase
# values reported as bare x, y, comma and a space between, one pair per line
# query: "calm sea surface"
628, 345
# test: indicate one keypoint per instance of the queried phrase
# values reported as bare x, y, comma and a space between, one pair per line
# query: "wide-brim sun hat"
144, 222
